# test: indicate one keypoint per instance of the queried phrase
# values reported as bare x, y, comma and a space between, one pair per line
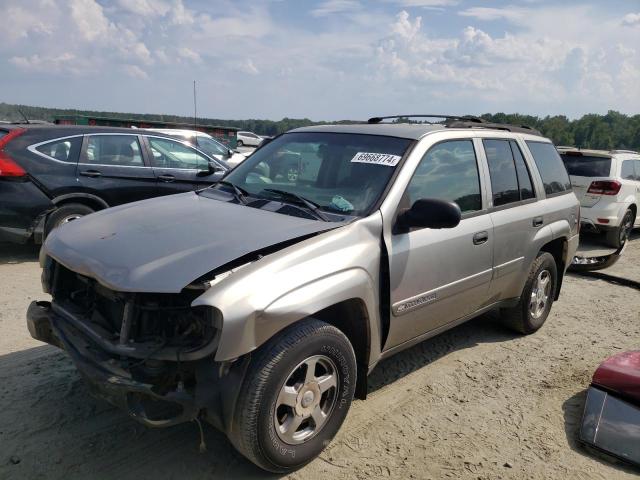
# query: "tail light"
8, 166
604, 187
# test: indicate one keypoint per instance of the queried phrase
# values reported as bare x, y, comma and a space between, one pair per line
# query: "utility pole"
195, 108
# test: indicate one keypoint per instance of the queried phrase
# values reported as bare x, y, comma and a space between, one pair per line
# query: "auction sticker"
376, 158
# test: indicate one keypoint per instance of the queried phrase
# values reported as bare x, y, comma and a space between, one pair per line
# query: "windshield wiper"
314, 207
240, 194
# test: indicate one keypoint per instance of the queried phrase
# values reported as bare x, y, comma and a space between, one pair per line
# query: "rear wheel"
240, 143
297, 393
537, 297
65, 214
617, 237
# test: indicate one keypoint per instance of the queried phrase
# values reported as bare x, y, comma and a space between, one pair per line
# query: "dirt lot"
476, 402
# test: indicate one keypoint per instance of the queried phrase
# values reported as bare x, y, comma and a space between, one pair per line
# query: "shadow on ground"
56, 429
12, 253
573, 408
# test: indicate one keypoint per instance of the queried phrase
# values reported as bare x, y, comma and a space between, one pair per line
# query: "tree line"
613, 130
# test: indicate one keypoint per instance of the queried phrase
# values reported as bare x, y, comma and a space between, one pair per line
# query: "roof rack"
468, 118
464, 121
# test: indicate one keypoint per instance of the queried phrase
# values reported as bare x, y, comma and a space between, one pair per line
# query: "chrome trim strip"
32, 148
426, 298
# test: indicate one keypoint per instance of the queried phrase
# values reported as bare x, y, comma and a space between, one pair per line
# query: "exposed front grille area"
166, 321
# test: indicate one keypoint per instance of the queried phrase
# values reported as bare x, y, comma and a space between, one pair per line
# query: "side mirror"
213, 168
429, 213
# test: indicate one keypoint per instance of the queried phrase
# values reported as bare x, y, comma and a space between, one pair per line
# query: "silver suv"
261, 304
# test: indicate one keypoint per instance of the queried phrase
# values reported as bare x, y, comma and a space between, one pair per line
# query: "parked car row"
260, 305
51, 175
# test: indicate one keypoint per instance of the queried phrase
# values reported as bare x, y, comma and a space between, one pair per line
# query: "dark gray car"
262, 304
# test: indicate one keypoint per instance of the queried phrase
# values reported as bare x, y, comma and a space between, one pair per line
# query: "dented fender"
259, 300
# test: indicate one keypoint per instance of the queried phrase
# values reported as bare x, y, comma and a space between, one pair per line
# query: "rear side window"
502, 169
586, 166
3, 133
448, 171
628, 172
117, 150
65, 150
554, 175
510, 180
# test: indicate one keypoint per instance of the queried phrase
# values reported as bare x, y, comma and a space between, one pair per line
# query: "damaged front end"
149, 354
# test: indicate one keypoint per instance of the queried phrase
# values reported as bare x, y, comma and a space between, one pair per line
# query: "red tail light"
8, 167
604, 187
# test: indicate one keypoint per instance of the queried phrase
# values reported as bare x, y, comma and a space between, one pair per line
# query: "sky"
323, 59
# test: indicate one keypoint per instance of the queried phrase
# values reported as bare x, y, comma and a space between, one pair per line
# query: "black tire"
65, 213
240, 143
520, 318
272, 368
617, 237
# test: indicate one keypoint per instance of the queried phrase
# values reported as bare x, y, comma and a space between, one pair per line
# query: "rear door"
584, 169
179, 167
112, 167
516, 215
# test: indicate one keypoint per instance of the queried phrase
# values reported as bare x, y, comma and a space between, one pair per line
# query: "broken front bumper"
105, 375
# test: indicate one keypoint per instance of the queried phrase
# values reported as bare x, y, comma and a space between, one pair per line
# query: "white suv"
607, 183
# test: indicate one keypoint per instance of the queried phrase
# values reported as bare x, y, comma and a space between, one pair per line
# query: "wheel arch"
558, 248
88, 199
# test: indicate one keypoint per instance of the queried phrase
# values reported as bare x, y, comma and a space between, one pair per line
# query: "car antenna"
26, 120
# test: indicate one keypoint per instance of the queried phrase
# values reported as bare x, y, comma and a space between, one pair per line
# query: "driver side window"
448, 171
166, 153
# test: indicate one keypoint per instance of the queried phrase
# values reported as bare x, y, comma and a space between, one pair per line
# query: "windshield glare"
332, 170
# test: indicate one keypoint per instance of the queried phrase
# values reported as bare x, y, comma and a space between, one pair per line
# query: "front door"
111, 167
179, 167
439, 276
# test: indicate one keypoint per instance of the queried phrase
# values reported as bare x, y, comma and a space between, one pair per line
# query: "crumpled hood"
163, 244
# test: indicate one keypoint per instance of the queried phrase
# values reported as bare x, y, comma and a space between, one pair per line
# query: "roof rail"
495, 126
468, 118
464, 121
625, 151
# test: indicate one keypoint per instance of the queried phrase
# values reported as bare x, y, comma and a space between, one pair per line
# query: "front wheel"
297, 393
617, 237
65, 214
537, 297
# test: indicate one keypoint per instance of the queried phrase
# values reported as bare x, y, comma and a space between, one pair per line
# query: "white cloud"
248, 67
181, 15
333, 7
88, 17
17, 22
188, 54
47, 64
146, 8
426, 3
135, 71
488, 13
631, 19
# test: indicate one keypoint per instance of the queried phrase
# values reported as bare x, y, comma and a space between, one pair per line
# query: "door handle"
480, 238
91, 173
166, 178
538, 222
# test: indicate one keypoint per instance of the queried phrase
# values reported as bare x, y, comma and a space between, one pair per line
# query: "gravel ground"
476, 402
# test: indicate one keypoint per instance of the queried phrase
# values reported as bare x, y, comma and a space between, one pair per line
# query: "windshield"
584, 166
343, 173
211, 147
